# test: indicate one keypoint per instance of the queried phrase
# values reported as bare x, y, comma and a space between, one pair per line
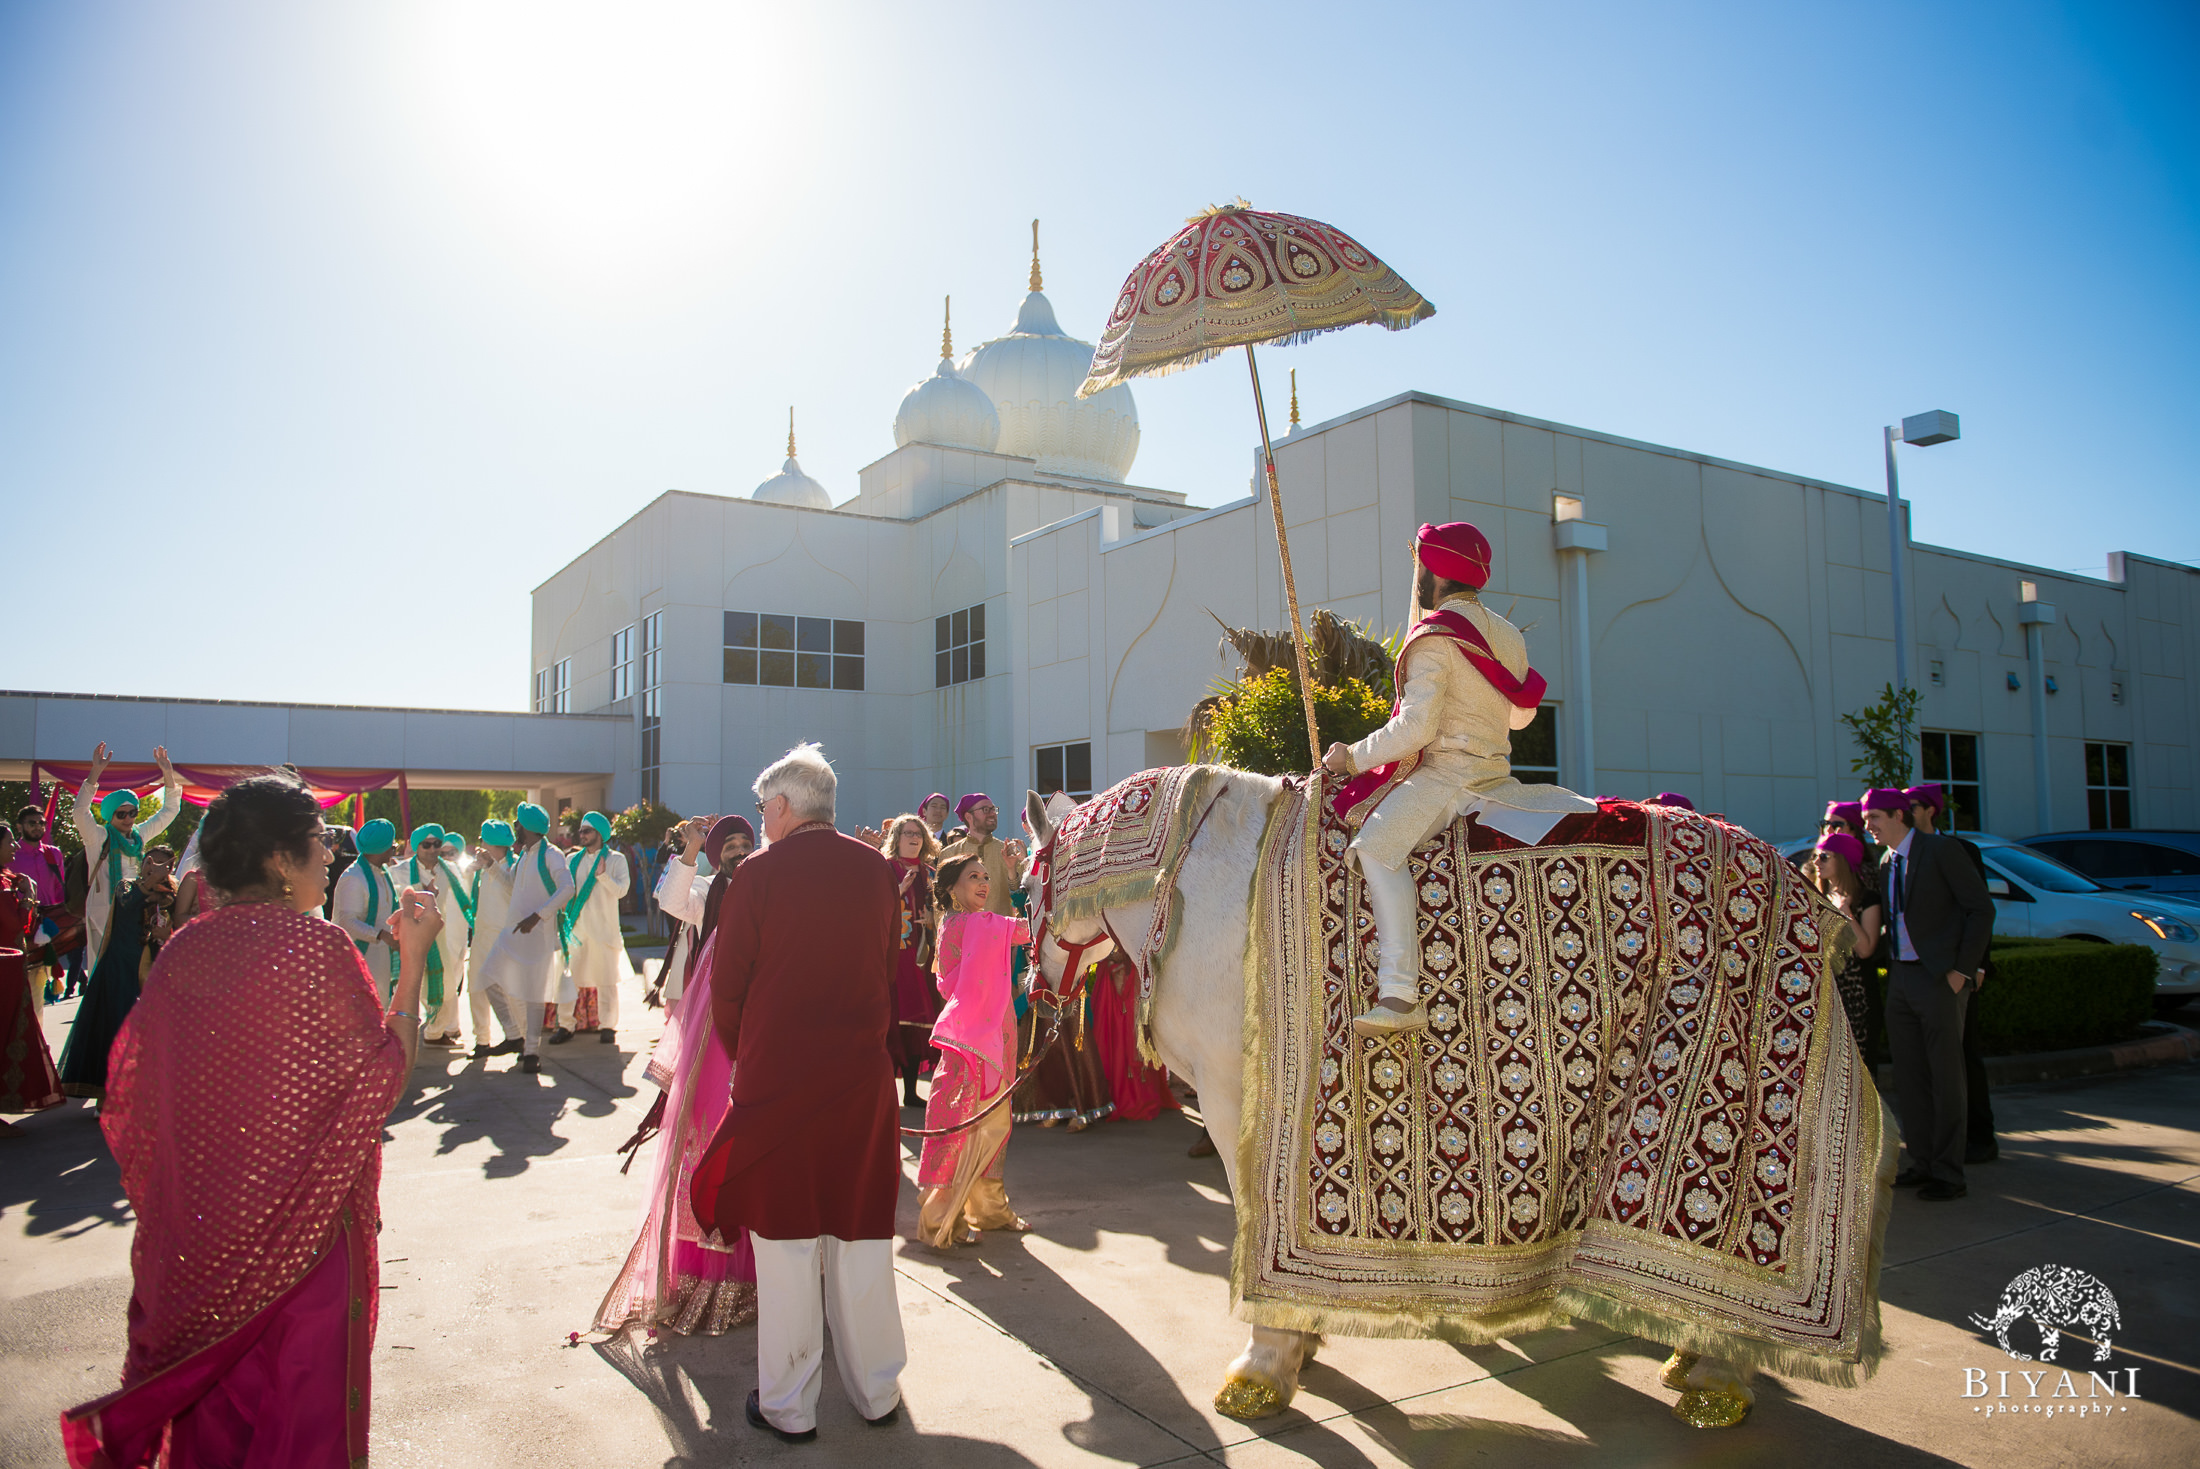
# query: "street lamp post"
1921, 429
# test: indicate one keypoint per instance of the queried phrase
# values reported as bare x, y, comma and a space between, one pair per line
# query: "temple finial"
947, 326
1294, 397
790, 432
1035, 255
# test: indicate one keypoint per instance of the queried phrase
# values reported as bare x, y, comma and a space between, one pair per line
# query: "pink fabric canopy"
202, 783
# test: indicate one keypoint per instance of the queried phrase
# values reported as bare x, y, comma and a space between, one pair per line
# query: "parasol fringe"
1389, 320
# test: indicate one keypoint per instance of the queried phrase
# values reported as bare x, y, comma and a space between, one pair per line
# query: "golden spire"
790, 432
947, 327
1294, 397
1035, 255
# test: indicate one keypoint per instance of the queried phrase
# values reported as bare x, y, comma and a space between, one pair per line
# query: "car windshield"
2041, 871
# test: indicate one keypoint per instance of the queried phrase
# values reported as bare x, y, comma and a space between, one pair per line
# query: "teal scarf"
372, 876
133, 844
572, 913
542, 865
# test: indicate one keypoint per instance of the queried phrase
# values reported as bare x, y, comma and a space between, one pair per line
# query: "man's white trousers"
857, 1300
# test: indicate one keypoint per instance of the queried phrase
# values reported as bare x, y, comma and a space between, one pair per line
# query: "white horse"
1198, 1026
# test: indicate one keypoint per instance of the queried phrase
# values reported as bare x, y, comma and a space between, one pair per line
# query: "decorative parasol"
1236, 276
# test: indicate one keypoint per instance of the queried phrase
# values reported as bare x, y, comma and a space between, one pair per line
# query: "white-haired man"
808, 1158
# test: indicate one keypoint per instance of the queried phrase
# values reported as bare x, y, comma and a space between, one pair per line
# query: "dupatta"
245, 1101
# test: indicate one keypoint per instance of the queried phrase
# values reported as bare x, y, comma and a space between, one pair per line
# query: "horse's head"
1055, 950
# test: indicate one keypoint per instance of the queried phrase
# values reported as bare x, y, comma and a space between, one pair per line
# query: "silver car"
2037, 897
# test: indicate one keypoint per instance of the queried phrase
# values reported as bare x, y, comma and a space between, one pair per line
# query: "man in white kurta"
113, 840
427, 867
598, 960
523, 955
366, 904
1452, 714
490, 887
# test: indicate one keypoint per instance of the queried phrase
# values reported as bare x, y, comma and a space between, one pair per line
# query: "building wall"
1737, 614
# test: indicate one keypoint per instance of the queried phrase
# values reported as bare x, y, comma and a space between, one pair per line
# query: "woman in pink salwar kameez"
246, 1096
960, 1174
678, 1275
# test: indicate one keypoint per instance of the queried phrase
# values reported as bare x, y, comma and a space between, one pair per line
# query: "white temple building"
997, 606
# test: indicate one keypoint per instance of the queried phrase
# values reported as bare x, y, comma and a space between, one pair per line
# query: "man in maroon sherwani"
807, 1157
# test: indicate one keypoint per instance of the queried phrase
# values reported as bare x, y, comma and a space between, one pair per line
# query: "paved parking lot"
1100, 1338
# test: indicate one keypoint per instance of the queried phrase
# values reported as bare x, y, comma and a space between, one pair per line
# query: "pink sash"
1355, 799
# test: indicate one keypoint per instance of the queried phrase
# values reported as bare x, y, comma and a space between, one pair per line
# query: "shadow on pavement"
698, 1386
61, 1170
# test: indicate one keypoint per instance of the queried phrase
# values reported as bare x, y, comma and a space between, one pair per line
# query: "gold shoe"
1380, 1020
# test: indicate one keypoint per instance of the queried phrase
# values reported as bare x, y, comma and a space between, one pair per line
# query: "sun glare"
609, 137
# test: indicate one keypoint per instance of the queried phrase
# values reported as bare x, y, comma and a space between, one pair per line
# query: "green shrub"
644, 824
2052, 996
1260, 725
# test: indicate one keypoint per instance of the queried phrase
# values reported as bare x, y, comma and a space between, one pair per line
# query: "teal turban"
376, 837
532, 817
115, 801
601, 822
496, 833
426, 832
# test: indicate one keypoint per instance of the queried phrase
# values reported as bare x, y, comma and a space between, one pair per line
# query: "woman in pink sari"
960, 1173
245, 1100
677, 1275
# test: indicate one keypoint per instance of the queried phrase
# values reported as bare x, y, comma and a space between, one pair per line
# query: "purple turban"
1850, 811
723, 827
1928, 795
1671, 798
939, 796
975, 798
1887, 798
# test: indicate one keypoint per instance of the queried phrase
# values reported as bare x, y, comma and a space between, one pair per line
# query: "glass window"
1951, 761
782, 651
2107, 787
2029, 866
622, 664
959, 647
649, 715
1535, 748
1065, 768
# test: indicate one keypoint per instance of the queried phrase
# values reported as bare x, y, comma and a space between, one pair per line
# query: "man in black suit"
1928, 805
1941, 919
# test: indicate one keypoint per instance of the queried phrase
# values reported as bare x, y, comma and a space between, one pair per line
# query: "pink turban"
1844, 846
1455, 551
1850, 811
975, 798
1927, 795
1886, 798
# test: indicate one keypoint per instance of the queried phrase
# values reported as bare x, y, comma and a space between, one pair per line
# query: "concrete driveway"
1100, 1338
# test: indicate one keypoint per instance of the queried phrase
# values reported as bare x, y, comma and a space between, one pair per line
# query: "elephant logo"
2057, 1298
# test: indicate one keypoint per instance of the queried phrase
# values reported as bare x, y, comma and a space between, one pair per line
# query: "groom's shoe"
1381, 1020
754, 1411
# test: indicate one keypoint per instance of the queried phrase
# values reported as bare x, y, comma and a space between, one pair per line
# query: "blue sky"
305, 306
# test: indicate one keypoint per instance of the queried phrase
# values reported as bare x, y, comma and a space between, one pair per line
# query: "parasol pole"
1290, 586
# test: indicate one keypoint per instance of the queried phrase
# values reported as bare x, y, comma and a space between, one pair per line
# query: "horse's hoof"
1677, 1367
1247, 1398
1711, 1407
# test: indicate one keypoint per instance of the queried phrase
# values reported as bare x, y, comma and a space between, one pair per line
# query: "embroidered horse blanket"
1637, 1100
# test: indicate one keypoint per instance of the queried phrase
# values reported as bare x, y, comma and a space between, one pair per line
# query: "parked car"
2135, 861
2037, 897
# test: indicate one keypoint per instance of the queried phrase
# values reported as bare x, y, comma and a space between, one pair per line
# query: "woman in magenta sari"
245, 1101
677, 1275
960, 1174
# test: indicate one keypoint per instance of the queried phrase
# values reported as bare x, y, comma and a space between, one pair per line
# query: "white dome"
792, 487
1032, 376
949, 410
